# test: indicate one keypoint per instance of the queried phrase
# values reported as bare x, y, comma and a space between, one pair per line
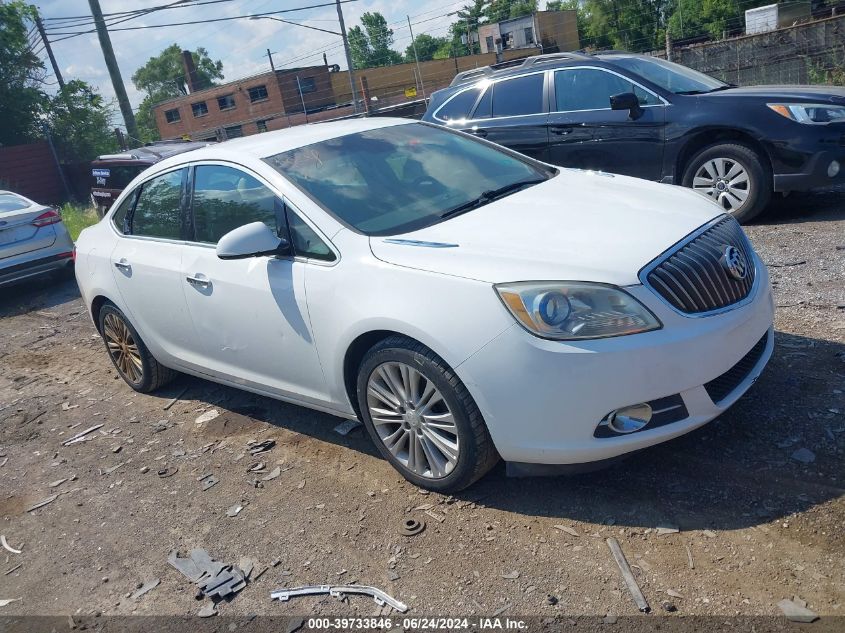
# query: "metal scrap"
80, 437
256, 448
6, 545
628, 575
411, 527
339, 591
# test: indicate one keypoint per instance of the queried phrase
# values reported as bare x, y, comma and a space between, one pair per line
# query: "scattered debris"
392, 575
804, 455
80, 437
208, 416
380, 597
214, 579
567, 529
13, 569
627, 575
208, 481
798, 262
4, 602
689, 557
256, 467
256, 448
551, 600
208, 610
437, 517
411, 527
301, 484
511, 575
8, 547
501, 609
43, 503
673, 593
272, 474
794, 612
146, 588
346, 427
669, 607
58, 482
176, 399
234, 511
663, 530
168, 471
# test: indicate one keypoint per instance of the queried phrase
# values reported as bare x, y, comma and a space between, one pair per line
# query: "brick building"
246, 106
549, 31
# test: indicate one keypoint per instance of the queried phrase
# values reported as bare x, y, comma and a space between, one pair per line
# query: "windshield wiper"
489, 196
704, 92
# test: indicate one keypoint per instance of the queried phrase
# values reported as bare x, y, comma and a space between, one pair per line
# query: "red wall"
30, 170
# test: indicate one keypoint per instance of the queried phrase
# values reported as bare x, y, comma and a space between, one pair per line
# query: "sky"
240, 44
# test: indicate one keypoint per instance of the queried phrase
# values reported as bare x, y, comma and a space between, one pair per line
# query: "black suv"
643, 116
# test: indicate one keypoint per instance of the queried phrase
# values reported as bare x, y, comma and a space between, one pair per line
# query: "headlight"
565, 310
811, 113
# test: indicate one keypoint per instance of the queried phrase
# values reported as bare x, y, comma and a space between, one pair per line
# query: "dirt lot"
756, 524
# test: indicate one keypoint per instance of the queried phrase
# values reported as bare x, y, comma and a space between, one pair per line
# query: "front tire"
732, 175
128, 353
421, 417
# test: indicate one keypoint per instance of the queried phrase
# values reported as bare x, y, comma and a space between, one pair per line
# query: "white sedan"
463, 301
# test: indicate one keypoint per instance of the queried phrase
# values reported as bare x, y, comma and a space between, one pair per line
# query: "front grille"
720, 388
694, 279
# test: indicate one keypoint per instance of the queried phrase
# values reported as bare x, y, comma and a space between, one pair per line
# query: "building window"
199, 109
257, 93
172, 116
307, 84
261, 126
529, 35
489, 41
234, 131
226, 102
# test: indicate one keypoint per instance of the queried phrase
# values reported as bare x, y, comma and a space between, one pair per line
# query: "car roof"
153, 152
272, 143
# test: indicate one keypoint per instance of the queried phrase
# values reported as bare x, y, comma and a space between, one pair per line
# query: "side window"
458, 107
591, 89
226, 198
518, 96
118, 218
158, 212
305, 240
484, 109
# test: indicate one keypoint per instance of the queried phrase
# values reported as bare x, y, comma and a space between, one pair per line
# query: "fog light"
833, 169
630, 419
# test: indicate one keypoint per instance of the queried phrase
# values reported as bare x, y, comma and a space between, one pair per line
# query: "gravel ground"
756, 525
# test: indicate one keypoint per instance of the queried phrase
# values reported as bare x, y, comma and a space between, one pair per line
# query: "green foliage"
499, 10
80, 123
370, 44
427, 47
77, 217
22, 101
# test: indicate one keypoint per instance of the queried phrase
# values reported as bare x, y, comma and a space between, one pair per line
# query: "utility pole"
348, 56
469, 38
56, 71
114, 71
270, 57
416, 57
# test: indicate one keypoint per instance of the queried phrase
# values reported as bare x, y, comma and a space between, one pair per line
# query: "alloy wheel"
123, 348
413, 420
725, 180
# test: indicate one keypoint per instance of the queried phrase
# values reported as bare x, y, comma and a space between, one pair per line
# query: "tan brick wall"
558, 30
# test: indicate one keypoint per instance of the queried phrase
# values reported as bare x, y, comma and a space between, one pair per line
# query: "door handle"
123, 266
477, 132
562, 131
199, 281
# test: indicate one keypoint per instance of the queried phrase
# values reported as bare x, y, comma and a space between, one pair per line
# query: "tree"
163, 77
80, 121
427, 47
499, 10
370, 46
22, 101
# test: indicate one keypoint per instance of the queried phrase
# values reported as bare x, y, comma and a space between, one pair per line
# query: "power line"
179, 4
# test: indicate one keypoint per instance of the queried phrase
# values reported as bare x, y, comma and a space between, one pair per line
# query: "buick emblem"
734, 262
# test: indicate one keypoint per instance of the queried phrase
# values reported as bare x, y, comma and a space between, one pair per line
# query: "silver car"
33, 239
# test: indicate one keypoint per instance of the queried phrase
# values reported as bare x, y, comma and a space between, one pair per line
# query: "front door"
585, 133
250, 314
145, 264
513, 113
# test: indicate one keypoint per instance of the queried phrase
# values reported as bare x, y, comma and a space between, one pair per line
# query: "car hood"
577, 226
816, 94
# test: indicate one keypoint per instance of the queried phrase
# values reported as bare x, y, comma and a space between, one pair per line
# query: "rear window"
458, 107
114, 176
10, 202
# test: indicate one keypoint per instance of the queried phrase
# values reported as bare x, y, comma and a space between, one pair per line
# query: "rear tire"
426, 423
734, 176
128, 353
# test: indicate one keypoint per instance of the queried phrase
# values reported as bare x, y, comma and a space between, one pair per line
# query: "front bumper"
802, 164
543, 400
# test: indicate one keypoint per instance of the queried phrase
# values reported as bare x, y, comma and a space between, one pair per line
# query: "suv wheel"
421, 416
734, 176
128, 353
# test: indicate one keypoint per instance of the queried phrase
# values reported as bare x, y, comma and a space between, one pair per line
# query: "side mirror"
250, 240
627, 101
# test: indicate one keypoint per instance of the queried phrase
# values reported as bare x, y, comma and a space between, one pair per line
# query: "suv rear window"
11, 202
458, 106
518, 96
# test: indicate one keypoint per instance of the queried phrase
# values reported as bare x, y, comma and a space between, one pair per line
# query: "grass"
77, 216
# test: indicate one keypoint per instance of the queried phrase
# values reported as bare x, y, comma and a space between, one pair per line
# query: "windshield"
401, 178
669, 75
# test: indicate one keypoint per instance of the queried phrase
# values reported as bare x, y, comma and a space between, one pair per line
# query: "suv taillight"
48, 217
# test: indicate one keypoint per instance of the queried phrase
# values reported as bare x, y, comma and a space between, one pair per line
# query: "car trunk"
18, 234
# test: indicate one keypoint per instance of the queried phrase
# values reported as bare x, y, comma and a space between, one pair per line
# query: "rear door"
146, 265
21, 229
584, 132
514, 112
